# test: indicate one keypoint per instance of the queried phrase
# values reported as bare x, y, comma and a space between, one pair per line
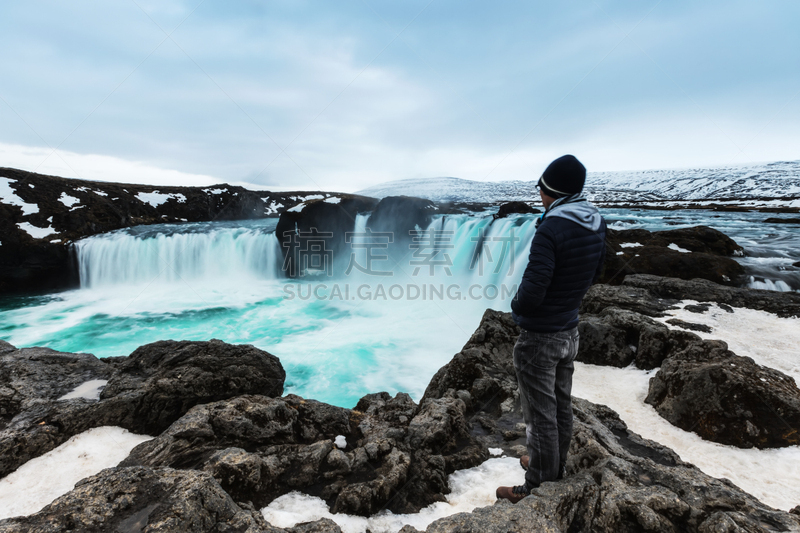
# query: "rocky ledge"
40, 216
227, 443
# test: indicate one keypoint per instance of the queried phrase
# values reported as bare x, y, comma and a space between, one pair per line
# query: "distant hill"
772, 184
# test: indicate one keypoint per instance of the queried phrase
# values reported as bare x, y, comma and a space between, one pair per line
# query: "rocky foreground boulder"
145, 392
722, 397
396, 455
701, 386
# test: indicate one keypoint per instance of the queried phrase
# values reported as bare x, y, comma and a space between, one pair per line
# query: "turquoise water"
222, 280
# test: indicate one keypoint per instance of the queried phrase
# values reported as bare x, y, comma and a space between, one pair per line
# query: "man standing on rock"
567, 256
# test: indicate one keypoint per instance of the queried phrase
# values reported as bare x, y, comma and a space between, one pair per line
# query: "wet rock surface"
146, 391
71, 209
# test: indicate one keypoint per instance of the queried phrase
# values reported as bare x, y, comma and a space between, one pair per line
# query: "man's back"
566, 255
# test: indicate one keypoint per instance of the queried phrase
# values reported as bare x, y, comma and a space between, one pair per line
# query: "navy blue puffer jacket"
567, 255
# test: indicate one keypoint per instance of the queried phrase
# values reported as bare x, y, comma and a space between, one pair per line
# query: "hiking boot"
512, 494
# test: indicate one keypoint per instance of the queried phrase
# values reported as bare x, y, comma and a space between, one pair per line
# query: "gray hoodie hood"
577, 209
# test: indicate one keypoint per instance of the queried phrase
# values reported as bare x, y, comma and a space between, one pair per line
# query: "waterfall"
473, 250
125, 258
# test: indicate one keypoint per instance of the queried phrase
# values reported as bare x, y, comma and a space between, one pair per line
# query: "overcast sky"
343, 95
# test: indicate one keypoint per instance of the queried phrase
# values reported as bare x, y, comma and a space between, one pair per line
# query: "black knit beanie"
563, 177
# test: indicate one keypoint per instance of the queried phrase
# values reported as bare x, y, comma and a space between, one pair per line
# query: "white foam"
769, 475
89, 390
630, 244
471, 488
677, 248
157, 198
9, 196
68, 200
769, 285
35, 231
40, 481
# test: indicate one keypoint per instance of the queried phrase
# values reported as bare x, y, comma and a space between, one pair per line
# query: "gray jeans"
543, 362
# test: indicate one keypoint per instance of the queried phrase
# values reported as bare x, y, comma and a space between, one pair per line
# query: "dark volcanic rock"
33, 376
616, 480
73, 209
401, 214
689, 325
143, 500
146, 392
32, 420
159, 382
783, 220
618, 337
709, 256
640, 300
726, 398
398, 455
511, 208
312, 235
620, 482
655, 288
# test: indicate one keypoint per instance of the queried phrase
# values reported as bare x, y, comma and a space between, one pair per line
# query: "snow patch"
769, 475
471, 488
630, 244
333, 200
156, 198
68, 200
273, 207
766, 338
40, 481
89, 390
298, 208
677, 248
35, 231
217, 191
340, 442
7, 195
495, 452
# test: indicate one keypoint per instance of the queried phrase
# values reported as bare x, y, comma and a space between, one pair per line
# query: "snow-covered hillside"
775, 184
